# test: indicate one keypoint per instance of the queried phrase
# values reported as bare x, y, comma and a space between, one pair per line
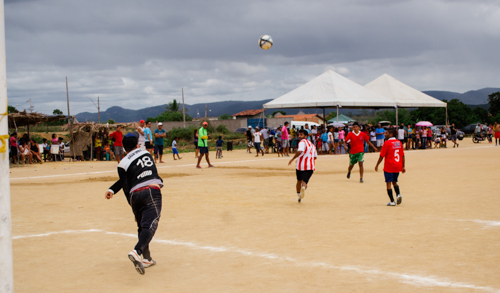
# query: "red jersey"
306, 160
118, 136
357, 142
393, 153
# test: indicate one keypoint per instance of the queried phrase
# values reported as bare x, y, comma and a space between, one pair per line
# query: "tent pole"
324, 118
397, 116
446, 115
337, 113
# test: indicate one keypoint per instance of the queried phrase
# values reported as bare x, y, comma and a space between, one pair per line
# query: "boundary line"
415, 280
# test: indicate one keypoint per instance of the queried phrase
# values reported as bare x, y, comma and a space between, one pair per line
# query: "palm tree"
173, 106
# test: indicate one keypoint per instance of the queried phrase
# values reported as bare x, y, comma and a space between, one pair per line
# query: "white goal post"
6, 270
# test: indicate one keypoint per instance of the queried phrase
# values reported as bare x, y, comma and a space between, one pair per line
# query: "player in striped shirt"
306, 163
394, 155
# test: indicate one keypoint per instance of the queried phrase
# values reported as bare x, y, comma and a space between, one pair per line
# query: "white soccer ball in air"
265, 42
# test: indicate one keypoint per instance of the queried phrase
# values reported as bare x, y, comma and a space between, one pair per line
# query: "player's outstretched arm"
380, 159
297, 154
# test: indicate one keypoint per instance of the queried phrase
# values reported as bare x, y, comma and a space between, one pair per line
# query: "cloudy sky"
137, 54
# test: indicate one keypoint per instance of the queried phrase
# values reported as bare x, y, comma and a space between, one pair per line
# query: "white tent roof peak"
402, 94
329, 90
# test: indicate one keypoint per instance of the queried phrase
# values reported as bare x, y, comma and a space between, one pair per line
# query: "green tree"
494, 102
331, 115
169, 116
225, 117
480, 115
111, 121
57, 112
279, 111
174, 107
404, 116
12, 109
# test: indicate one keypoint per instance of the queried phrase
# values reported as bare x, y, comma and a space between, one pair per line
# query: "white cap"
249, 126
160, 124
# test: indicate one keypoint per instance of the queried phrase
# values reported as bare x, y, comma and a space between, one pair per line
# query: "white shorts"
142, 145
326, 146
380, 143
285, 143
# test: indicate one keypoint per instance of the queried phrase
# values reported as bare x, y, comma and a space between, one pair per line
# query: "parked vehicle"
471, 128
241, 130
298, 124
436, 129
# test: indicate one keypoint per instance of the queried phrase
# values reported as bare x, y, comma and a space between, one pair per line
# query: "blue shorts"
203, 150
391, 177
175, 151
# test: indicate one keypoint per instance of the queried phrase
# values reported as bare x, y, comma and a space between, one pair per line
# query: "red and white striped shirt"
306, 160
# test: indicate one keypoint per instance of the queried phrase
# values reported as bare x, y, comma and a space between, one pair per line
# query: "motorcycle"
478, 137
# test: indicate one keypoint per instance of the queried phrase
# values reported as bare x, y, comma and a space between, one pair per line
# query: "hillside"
118, 114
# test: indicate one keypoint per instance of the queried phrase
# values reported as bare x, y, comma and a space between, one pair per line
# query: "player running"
141, 184
394, 155
356, 154
306, 163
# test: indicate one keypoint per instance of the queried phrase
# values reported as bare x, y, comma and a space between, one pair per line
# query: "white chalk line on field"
415, 280
486, 224
193, 165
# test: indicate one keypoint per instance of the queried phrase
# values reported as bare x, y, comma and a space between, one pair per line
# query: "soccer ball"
265, 42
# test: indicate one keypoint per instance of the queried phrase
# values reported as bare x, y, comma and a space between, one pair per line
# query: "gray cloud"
137, 54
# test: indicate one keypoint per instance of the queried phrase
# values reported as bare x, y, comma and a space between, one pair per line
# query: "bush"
222, 129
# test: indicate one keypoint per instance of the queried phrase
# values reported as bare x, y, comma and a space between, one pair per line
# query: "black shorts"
158, 149
304, 175
203, 150
13, 151
196, 145
149, 145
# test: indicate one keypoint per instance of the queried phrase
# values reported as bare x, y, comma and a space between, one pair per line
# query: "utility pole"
206, 111
6, 268
98, 111
70, 121
183, 109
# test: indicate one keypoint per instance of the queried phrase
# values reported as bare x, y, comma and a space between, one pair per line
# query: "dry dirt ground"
239, 228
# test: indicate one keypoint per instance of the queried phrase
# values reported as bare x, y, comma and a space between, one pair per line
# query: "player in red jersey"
356, 155
394, 156
306, 163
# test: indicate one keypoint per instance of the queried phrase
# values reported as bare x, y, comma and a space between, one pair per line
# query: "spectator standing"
489, 133
306, 128
342, 133
117, 138
401, 134
313, 134
336, 140
265, 142
367, 132
97, 146
160, 135
444, 139
285, 140
219, 145
174, 148
195, 140
423, 137
330, 139
203, 145
373, 136
257, 139
324, 138
429, 137
410, 137
380, 132
148, 136
496, 129
249, 136
142, 137
453, 132
14, 147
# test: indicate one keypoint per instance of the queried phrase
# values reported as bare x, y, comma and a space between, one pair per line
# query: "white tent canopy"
330, 90
403, 95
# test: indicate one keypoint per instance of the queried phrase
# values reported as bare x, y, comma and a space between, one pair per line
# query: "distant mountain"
469, 98
216, 109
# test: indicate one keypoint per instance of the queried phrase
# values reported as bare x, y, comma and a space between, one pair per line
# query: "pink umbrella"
424, 123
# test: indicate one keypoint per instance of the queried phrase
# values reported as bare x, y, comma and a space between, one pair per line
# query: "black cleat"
348, 175
361, 180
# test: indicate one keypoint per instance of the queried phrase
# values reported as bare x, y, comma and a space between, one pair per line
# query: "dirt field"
239, 228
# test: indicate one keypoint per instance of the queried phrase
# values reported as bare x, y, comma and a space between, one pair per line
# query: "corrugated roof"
249, 112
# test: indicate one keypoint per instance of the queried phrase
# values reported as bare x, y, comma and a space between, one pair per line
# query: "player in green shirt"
203, 145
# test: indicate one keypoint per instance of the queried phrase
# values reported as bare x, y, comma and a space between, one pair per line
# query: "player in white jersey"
306, 163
